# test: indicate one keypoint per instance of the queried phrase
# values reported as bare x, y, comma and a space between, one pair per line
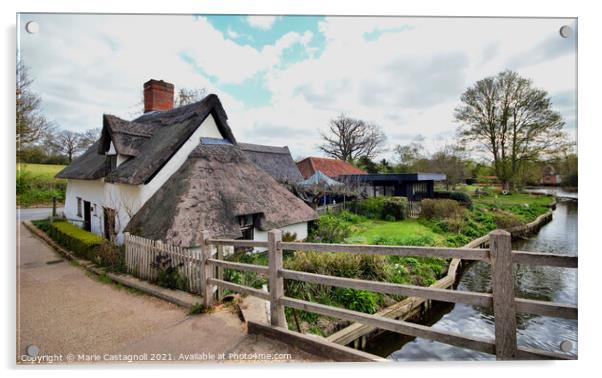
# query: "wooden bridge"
209, 257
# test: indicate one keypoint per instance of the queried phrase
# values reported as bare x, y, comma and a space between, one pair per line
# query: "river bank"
454, 229
543, 283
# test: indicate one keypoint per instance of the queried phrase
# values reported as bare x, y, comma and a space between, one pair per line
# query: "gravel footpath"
65, 311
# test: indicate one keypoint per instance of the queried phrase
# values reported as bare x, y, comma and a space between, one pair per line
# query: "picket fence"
141, 253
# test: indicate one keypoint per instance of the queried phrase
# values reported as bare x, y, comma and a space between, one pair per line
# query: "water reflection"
533, 282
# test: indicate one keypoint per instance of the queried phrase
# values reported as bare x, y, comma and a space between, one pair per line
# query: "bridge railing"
502, 300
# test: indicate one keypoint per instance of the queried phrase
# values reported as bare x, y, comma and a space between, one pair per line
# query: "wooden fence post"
220, 272
277, 317
502, 282
207, 270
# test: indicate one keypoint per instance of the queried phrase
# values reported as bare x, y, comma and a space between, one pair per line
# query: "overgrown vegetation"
36, 185
385, 208
168, 272
197, 308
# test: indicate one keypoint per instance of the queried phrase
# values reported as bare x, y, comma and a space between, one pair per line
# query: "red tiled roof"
330, 167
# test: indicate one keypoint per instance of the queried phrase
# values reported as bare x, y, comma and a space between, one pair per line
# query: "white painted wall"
299, 228
128, 199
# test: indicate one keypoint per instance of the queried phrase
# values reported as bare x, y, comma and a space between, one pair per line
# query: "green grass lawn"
514, 199
36, 185
377, 231
47, 170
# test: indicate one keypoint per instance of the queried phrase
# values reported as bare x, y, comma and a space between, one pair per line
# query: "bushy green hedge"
330, 228
386, 208
84, 244
461, 197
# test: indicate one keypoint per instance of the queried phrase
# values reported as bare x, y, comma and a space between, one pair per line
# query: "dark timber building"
414, 186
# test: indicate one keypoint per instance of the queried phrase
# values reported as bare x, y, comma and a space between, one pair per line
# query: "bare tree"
88, 138
187, 96
32, 126
68, 143
449, 160
511, 120
409, 154
350, 138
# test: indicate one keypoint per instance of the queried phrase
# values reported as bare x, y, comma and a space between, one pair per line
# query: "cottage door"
87, 216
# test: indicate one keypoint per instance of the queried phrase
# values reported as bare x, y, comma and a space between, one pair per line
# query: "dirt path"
66, 312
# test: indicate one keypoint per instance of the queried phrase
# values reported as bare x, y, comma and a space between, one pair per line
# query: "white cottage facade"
133, 160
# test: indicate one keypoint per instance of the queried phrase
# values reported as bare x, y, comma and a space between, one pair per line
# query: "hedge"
387, 208
83, 243
461, 197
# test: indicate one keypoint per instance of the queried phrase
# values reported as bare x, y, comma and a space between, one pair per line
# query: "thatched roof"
277, 161
209, 191
151, 140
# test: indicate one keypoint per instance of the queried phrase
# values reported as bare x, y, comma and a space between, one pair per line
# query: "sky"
281, 79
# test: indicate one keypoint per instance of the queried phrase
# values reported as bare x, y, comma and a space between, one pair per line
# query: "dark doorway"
87, 216
109, 223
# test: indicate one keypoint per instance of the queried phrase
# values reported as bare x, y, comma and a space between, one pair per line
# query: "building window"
79, 206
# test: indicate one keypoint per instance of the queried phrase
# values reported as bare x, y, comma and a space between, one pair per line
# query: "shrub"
247, 278
368, 267
370, 207
387, 208
168, 274
111, 256
349, 217
83, 243
461, 197
357, 300
411, 240
395, 208
441, 209
506, 220
197, 308
289, 237
330, 228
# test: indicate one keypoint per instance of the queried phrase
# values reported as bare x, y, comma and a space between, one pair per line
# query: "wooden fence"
204, 270
500, 255
141, 254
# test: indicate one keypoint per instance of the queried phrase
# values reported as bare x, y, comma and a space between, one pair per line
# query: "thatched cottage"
171, 173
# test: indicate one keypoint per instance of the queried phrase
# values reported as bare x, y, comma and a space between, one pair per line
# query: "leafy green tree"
511, 120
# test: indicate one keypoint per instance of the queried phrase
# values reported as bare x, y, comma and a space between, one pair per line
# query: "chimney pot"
158, 96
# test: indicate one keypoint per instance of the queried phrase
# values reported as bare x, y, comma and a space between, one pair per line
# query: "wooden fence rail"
501, 300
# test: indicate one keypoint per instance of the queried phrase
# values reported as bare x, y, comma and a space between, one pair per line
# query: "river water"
533, 282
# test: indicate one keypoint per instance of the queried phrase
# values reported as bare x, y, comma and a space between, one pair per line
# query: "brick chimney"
158, 95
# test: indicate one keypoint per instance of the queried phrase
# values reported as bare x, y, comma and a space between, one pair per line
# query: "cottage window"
79, 206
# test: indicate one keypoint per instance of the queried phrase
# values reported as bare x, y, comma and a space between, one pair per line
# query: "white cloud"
261, 22
408, 81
